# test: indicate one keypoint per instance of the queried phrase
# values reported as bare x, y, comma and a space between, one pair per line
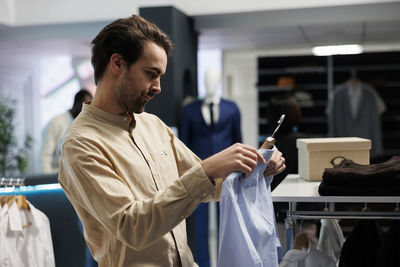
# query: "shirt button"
6, 262
203, 194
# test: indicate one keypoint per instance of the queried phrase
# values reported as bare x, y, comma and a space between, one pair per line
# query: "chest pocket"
164, 161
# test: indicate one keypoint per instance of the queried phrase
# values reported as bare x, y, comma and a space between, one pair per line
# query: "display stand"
294, 189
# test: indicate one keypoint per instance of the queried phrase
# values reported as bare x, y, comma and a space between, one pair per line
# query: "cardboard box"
315, 154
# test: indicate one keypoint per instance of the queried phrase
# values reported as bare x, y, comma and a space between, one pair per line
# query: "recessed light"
329, 50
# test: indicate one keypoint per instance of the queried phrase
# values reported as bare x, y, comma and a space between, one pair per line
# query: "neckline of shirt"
119, 120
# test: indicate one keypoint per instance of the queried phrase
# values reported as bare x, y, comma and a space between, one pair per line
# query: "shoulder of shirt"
147, 116
60, 118
78, 127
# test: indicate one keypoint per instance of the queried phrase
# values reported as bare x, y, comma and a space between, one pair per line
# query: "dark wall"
180, 80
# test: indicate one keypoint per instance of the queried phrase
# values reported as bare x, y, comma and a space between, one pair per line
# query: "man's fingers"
246, 170
253, 153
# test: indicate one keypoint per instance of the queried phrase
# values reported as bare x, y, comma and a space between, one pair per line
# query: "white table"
294, 189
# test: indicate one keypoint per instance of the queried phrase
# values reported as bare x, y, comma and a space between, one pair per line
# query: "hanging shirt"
247, 232
331, 238
28, 239
365, 124
8, 254
311, 257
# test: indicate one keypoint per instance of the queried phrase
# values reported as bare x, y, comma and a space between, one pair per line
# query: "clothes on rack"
247, 229
310, 257
361, 248
331, 238
25, 235
355, 111
389, 252
349, 178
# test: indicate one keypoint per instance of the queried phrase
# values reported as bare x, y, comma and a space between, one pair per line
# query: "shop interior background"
45, 46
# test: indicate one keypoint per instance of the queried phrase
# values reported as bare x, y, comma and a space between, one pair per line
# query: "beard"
130, 98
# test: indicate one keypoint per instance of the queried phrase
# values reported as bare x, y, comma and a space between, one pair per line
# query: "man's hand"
238, 157
276, 164
301, 241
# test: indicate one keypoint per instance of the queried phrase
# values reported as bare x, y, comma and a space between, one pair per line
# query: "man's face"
141, 81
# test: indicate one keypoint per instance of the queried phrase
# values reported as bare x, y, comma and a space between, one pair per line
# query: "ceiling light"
337, 50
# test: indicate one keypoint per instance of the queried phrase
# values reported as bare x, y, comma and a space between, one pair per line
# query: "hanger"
397, 209
353, 75
365, 208
11, 200
22, 203
3, 200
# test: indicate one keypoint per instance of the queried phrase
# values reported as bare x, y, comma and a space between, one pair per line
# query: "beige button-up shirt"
132, 193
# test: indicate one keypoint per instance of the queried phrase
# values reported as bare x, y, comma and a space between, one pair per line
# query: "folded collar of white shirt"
14, 217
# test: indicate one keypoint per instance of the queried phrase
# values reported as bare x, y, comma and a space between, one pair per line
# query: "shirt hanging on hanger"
247, 232
26, 237
310, 257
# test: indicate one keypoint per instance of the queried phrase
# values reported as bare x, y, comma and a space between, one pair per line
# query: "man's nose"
156, 87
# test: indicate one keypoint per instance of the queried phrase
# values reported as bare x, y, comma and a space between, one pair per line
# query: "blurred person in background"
288, 132
55, 131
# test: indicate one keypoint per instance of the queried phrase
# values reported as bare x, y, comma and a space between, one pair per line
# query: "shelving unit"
311, 77
315, 75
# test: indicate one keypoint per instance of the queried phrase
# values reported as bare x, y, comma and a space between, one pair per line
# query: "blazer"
205, 140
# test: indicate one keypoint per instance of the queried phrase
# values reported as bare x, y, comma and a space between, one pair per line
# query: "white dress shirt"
205, 110
25, 238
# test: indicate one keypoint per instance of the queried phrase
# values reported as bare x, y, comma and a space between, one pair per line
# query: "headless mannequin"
212, 80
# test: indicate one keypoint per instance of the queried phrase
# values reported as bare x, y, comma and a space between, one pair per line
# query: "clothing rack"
12, 181
293, 189
395, 215
29, 180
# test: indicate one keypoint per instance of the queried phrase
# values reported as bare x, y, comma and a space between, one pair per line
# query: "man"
55, 131
131, 181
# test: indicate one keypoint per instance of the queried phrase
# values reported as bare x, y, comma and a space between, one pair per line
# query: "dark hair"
283, 104
78, 101
127, 37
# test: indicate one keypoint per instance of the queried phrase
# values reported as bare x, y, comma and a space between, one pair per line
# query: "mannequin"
212, 79
207, 130
196, 130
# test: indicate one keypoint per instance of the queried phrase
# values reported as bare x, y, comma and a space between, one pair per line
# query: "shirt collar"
3, 210
122, 121
215, 100
14, 218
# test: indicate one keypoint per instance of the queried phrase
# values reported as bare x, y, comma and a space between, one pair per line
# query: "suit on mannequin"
207, 127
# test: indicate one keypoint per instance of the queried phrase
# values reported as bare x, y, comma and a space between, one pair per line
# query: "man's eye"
152, 75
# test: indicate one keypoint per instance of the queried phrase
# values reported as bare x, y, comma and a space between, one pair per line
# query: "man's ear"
117, 64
